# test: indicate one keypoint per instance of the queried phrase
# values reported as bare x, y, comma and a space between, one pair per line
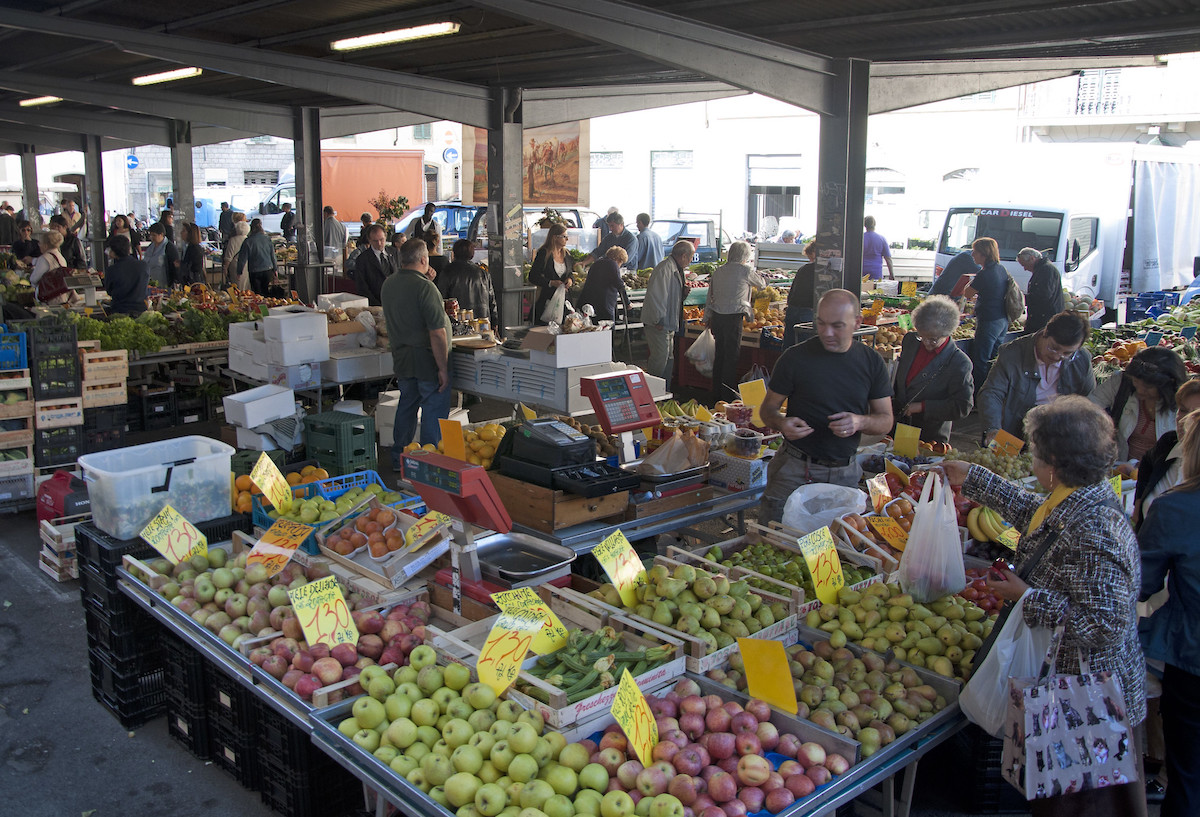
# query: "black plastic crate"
191, 408
100, 592
57, 446
989, 792
158, 409
105, 552
325, 790
185, 670
235, 754
188, 724
53, 358
104, 428
135, 692
133, 415
132, 638
231, 706
103, 440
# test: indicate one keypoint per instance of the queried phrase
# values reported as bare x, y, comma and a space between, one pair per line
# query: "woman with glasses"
26, 249
1141, 400
933, 387
1033, 370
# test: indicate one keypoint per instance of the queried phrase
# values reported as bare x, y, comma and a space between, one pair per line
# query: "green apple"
444, 696
410, 689
534, 719
381, 688
428, 735
402, 733
487, 772
642, 807
559, 806
438, 795
490, 800
461, 788
458, 708
666, 805
483, 741
348, 727
386, 754
562, 779
437, 769
478, 695
536, 793
587, 803
616, 804
468, 810
502, 755
513, 792
403, 764
595, 777
397, 705
405, 675
417, 751
425, 713
481, 720
442, 748
523, 768
457, 675
508, 711
574, 756
541, 752
368, 712
417, 778
523, 738
422, 656
457, 732
467, 758
532, 812
430, 679
500, 730
442, 720
368, 739
556, 741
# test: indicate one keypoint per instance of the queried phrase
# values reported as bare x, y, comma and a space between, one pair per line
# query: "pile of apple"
977, 591
306, 668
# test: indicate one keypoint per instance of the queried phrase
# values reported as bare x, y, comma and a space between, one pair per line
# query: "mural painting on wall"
552, 170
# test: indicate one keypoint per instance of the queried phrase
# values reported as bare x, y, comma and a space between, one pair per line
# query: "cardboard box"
344, 342
293, 352
564, 351
343, 299
355, 364
246, 363
292, 323
300, 376
250, 409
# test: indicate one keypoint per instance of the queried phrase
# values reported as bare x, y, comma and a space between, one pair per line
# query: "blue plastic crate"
334, 487
263, 520
12, 350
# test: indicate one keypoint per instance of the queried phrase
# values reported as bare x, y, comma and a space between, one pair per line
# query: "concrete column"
93, 199
306, 142
29, 187
505, 199
183, 183
841, 180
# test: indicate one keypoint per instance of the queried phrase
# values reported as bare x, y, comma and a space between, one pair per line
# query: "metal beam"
93, 198
754, 64
550, 106
183, 183
365, 119
440, 99
306, 145
29, 186
137, 129
47, 140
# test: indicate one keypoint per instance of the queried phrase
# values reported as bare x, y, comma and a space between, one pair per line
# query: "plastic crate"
235, 754
191, 409
185, 670
340, 441
95, 441
17, 489
99, 592
334, 487
187, 723
57, 446
298, 779
105, 418
53, 359
133, 415
132, 638
158, 409
135, 692
243, 462
97, 549
230, 705
262, 519
12, 350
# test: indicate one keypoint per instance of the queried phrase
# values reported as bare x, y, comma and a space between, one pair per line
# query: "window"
608, 160
260, 178
1081, 241
881, 183
423, 133
261, 140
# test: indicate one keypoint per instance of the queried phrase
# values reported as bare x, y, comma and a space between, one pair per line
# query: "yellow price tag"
881, 494
767, 673
553, 635
174, 537
506, 647
823, 563
633, 715
890, 467
1006, 444
453, 444
876, 306
528, 413
323, 613
416, 537
274, 487
890, 530
753, 394
277, 546
620, 561
906, 440
1009, 538
908, 288
1115, 482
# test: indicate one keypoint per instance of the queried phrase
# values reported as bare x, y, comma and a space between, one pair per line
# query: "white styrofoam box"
248, 337
292, 352
353, 365
296, 324
244, 362
343, 299
385, 410
736, 473
563, 351
252, 408
345, 343
255, 442
300, 376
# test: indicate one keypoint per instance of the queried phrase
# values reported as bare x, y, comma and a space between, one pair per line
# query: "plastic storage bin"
129, 486
342, 443
12, 350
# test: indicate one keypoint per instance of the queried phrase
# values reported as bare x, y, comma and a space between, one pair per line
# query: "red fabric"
923, 358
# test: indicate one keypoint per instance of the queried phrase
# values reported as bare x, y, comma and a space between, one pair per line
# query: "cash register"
548, 452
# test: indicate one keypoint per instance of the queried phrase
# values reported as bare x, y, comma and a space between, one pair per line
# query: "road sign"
131, 161
450, 155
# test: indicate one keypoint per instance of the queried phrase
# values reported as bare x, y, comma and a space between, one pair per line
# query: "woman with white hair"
933, 387
729, 300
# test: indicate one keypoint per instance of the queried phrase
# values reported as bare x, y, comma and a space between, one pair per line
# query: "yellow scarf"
1053, 501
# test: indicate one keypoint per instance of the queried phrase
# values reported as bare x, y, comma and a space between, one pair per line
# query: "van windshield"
1013, 230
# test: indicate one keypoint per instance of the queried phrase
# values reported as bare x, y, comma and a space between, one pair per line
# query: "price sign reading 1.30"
823, 563
277, 546
633, 715
620, 561
553, 635
174, 537
323, 613
506, 647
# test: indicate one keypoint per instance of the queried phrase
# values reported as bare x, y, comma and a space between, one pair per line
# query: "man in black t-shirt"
836, 389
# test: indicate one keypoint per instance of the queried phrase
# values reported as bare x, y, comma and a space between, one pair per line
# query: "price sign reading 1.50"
506, 647
174, 537
633, 715
323, 613
623, 566
823, 563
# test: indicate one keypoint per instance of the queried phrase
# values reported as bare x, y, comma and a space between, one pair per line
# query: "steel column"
841, 177
505, 200
29, 187
93, 199
306, 141
183, 185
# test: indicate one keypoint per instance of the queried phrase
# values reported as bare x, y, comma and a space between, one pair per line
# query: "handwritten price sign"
1006, 444
1009, 538
268, 479
890, 530
506, 647
553, 635
908, 288
174, 537
633, 715
881, 494
277, 546
823, 563
323, 613
424, 527
1115, 482
620, 561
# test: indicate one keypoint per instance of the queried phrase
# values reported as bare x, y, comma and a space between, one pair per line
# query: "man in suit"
373, 266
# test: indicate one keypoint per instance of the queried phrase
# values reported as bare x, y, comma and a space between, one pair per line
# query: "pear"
685, 573
704, 588
671, 588
662, 614
722, 585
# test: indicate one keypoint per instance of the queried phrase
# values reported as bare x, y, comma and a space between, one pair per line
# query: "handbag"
53, 284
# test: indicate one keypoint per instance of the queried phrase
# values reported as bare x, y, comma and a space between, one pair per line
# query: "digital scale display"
613, 390
426, 473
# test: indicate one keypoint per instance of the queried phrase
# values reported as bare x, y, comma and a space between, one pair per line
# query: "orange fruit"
320, 473
308, 469
254, 489
243, 482
293, 478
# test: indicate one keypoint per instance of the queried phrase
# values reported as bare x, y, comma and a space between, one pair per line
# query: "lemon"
487, 452
477, 444
486, 463
429, 447
412, 447
474, 460
487, 433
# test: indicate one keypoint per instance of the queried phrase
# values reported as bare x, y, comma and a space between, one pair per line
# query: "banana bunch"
984, 524
673, 408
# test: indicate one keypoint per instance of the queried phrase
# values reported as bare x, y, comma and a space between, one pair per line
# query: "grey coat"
945, 386
1010, 390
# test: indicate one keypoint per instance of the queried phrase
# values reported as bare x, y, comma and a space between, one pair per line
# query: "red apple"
688, 761
685, 688
759, 709
747, 744
371, 646
720, 745
614, 740
836, 763
328, 670
683, 788
627, 773
789, 746
692, 705
778, 800
319, 651
345, 654
712, 702
275, 666
260, 654
734, 808
728, 764
790, 767
675, 736
652, 781
290, 678
712, 811
753, 770
663, 708
732, 707
722, 787
752, 797
768, 735
819, 775
800, 785
307, 685
665, 750
666, 725
743, 722
810, 754
303, 661
774, 781
692, 725
717, 720
708, 772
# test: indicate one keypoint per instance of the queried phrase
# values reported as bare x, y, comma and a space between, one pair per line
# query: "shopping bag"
703, 353
1017, 652
553, 313
932, 564
813, 506
1066, 733
680, 453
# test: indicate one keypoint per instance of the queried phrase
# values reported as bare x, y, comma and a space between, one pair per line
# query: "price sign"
1006, 444
1188, 332
323, 613
876, 306
823, 563
890, 530
890, 467
767, 673
276, 547
553, 635
526, 412
506, 646
1153, 338
881, 494
908, 288
633, 715
620, 561
1009, 538
452, 439
907, 440
905, 322
753, 394
268, 479
416, 536
174, 537
1115, 482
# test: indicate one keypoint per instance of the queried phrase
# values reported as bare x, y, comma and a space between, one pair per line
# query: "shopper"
1160, 469
836, 390
419, 332
333, 234
649, 248
1044, 294
241, 229
363, 240
617, 236
950, 281
373, 267
257, 256
933, 386
72, 248
1141, 399
991, 321
433, 242
728, 301
126, 279
604, 286
470, 285
120, 226
875, 252
800, 297
551, 269
191, 262
51, 258
225, 223
662, 309
26, 248
421, 224
1089, 575
8, 227
287, 223
167, 220
162, 258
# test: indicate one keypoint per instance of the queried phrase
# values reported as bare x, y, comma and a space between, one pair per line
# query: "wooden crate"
60, 412
104, 367
16, 380
98, 395
641, 510
20, 436
59, 534
18, 468
62, 567
548, 510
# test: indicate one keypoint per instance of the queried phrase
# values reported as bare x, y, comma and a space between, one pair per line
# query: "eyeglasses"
1054, 349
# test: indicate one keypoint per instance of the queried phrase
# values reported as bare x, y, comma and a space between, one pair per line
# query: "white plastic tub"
129, 486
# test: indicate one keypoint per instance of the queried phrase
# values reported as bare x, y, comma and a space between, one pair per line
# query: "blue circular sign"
131, 161
450, 155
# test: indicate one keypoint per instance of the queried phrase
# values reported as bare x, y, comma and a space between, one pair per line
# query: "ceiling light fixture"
39, 100
400, 35
167, 76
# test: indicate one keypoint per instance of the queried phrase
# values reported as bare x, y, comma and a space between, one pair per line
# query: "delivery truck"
1114, 218
349, 180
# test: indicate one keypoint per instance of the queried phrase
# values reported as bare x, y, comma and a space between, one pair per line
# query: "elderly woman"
50, 259
1077, 564
987, 288
933, 388
604, 285
1161, 468
730, 290
1141, 400
800, 297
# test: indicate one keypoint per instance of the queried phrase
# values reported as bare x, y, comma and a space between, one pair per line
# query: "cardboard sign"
881, 494
620, 561
890, 530
907, 440
323, 613
908, 288
174, 537
1188, 332
419, 534
1009, 538
453, 443
277, 546
1153, 339
506, 647
767, 673
527, 412
890, 467
553, 635
1115, 482
876, 306
753, 394
275, 488
823, 564
1006, 444
633, 715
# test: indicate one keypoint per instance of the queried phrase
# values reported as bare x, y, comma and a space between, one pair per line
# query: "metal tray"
520, 557
688, 476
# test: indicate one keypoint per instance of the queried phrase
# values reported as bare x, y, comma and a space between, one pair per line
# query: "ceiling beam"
753, 64
354, 119
551, 106
49, 141
439, 99
139, 130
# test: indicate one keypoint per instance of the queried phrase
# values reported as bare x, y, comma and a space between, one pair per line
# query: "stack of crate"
340, 442
105, 378
57, 557
16, 424
58, 408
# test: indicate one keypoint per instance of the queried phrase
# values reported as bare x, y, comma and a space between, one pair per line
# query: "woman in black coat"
551, 269
604, 285
191, 265
933, 387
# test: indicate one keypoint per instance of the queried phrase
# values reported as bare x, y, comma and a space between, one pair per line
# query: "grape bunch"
1012, 468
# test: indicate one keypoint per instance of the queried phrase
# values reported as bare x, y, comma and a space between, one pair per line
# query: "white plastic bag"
1017, 652
679, 453
555, 306
703, 353
812, 507
932, 564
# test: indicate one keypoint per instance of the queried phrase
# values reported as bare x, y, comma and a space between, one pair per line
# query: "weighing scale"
85, 283
549, 453
623, 402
